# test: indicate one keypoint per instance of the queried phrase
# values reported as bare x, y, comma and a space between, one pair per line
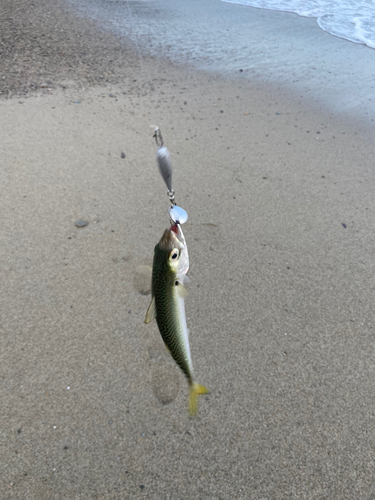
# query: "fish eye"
174, 255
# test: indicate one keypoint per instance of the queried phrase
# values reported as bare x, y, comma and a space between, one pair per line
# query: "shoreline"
70, 61
342, 37
69, 57
280, 306
237, 42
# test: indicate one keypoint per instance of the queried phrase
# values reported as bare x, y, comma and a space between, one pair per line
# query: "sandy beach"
281, 300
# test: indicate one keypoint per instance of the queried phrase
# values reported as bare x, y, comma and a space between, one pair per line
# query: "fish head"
173, 245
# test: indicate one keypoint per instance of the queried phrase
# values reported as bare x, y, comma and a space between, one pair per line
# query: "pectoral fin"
151, 312
181, 291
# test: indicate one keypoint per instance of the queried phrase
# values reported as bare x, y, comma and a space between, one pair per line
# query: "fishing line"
172, 326
177, 214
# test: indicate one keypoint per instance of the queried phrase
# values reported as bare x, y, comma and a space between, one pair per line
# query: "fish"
170, 265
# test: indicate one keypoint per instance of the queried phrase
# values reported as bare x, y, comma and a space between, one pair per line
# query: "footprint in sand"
142, 279
164, 382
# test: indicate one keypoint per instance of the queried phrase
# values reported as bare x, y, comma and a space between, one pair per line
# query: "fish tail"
195, 390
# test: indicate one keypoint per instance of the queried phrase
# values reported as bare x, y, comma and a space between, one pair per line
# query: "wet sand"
281, 300
248, 44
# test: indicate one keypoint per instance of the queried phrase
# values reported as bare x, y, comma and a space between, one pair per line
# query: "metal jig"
177, 214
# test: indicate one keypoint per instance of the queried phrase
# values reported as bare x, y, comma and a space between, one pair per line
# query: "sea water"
353, 20
253, 44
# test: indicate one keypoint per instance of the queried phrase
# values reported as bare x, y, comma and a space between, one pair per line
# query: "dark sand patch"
43, 45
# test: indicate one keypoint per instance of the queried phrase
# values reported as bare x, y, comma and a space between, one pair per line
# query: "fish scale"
168, 319
170, 265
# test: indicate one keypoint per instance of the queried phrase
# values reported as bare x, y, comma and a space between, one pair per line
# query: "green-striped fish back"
170, 313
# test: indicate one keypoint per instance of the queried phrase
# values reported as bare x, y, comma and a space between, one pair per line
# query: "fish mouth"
172, 238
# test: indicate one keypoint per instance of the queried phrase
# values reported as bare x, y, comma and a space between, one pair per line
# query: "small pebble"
141, 486
122, 155
343, 225
43, 86
81, 223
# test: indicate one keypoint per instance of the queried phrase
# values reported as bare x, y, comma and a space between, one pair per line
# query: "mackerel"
170, 265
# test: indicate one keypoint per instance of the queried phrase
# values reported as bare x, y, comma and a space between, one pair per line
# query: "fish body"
170, 265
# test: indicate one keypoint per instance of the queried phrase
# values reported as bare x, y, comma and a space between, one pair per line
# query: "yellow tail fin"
195, 389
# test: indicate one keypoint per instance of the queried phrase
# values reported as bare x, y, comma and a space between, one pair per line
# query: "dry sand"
281, 305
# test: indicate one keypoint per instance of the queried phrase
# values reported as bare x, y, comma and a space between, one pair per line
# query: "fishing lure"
170, 265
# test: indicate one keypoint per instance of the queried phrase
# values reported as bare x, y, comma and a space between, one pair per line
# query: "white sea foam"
353, 20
